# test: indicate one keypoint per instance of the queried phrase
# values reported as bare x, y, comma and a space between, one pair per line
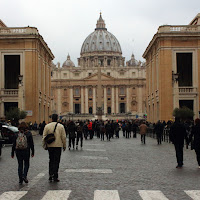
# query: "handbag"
51, 136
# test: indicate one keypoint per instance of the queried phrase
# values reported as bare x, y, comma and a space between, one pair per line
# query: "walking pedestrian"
108, 130
55, 148
102, 131
79, 130
22, 145
159, 131
72, 134
195, 143
42, 127
143, 131
177, 135
134, 129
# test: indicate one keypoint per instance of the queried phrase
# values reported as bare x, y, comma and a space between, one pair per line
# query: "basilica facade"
122, 92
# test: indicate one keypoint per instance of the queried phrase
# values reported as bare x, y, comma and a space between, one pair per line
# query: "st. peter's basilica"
122, 91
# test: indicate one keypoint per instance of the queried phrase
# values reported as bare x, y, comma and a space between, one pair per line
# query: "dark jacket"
71, 128
177, 133
196, 134
29, 142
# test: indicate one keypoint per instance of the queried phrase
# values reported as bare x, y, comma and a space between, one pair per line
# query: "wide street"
120, 169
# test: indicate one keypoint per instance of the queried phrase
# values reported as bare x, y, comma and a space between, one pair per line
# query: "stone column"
20, 97
1, 108
82, 101
105, 101
140, 99
117, 100
59, 101
94, 101
113, 100
127, 100
71, 109
86, 100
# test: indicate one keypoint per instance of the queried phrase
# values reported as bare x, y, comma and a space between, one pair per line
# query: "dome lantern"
100, 24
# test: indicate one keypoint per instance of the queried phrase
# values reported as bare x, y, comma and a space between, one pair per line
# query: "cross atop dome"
100, 23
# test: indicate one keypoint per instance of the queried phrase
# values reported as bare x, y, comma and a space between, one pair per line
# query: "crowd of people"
180, 134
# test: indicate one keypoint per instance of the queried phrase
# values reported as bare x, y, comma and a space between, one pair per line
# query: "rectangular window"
184, 68
108, 73
12, 70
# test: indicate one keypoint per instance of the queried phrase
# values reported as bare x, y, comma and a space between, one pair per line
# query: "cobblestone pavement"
120, 169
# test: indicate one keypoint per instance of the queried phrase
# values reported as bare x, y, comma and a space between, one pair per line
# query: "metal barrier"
165, 136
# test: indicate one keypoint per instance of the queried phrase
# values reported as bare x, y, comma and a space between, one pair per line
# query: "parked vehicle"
7, 134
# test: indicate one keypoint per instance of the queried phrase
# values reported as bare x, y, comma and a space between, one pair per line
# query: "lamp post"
175, 76
20, 92
175, 87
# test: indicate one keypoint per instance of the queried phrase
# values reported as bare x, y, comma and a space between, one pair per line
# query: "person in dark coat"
102, 130
134, 129
79, 130
195, 133
159, 131
177, 135
23, 155
128, 129
42, 127
108, 130
85, 130
71, 128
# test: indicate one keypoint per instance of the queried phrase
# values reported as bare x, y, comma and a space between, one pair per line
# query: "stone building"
173, 70
74, 89
25, 72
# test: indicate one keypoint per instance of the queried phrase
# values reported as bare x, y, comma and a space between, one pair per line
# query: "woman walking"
22, 144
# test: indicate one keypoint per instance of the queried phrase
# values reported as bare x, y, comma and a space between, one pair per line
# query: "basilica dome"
68, 63
101, 40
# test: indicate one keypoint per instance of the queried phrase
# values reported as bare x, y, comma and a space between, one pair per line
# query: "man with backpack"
55, 147
22, 144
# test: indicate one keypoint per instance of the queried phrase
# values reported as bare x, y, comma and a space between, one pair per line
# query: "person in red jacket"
90, 129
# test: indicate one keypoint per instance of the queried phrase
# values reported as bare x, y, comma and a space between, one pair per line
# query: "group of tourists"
23, 145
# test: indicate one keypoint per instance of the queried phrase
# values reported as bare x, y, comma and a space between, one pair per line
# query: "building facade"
173, 70
25, 72
74, 89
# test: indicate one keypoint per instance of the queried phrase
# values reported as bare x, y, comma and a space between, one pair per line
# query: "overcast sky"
65, 24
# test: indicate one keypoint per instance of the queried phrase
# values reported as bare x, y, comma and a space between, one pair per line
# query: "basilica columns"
127, 100
140, 98
82, 101
113, 100
105, 100
94, 101
117, 100
71, 100
86, 99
